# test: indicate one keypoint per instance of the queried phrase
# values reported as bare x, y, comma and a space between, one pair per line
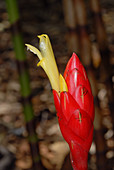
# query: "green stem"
13, 12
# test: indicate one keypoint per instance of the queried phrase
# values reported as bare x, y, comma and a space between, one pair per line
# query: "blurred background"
29, 133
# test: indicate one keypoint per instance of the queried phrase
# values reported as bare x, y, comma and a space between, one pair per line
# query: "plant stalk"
13, 12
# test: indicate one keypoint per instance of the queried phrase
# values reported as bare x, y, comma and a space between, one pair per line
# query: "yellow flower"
48, 63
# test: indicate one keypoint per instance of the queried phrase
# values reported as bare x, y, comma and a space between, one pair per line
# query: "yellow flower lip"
48, 63
34, 50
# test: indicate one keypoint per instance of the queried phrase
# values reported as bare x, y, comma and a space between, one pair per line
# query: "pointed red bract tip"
74, 62
56, 101
76, 73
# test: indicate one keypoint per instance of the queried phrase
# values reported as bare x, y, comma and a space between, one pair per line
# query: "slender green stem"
13, 12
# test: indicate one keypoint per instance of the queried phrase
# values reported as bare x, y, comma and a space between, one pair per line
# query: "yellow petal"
47, 60
50, 63
63, 85
34, 50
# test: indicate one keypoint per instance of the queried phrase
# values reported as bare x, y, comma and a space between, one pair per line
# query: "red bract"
75, 111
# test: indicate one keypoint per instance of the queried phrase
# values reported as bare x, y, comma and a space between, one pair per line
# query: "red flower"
75, 111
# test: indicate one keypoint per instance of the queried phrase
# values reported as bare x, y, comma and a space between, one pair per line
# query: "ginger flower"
73, 101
